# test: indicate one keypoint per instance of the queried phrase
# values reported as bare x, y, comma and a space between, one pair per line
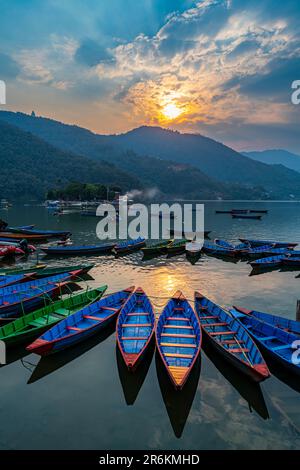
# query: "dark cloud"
8, 66
274, 83
90, 53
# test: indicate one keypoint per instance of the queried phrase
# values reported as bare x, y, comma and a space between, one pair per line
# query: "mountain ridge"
276, 157
137, 150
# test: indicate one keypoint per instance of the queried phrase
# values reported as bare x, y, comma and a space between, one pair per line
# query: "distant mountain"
214, 159
277, 157
185, 165
30, 166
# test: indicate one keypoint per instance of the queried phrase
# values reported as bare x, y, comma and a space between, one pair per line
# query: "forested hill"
34, 166
231, 170
30, 167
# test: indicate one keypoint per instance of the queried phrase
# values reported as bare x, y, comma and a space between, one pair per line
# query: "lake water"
84, 399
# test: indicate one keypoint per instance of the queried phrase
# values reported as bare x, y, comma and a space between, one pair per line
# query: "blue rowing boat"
37, 284
269, 262
275, 244
274, 342
212, 248
129, 245
178, 339
291, 326
264, 251
47, 233
78, 250
81, 325
20, 299
10, 280
292, 261
225, 244
135, 328
230, 339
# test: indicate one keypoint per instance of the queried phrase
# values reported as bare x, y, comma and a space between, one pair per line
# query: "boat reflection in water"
15, 354
290, 379
49, 364
178, 402
132, 381
193, 257
248, 389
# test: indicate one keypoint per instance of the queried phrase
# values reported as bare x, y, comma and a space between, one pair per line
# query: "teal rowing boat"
32, 325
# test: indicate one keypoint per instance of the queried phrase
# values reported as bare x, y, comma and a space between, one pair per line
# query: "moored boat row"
179, 331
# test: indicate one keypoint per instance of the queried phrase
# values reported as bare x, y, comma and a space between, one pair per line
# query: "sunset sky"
220, 68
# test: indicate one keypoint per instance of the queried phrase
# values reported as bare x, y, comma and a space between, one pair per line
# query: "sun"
171, 111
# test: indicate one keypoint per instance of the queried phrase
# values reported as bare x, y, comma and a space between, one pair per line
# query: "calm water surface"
84, 399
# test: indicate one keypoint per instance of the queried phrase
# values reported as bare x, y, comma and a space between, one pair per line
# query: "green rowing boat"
159, 247
44, 271
12, 271
178, 246
32, 325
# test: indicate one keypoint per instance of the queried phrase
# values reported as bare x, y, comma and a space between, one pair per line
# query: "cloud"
275, 83
8, 67
226, 64
90, 53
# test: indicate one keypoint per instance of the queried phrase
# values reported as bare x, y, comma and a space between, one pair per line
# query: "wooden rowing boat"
291, 326
270, 261
268, 252
177, 246
18, 300
261, 251
243, 216
275, 244
230, 339
262, 211
45, 233
135, 328
178, 339
193, 248
292, 261
274, 342
39, 271
6, 281
156, 248
81, 325
32, 325
79, 250
212, 248
239, 249
129, 245
21, 236
31, 269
